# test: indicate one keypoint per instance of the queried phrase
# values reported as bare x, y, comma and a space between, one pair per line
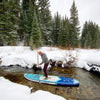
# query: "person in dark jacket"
45, 61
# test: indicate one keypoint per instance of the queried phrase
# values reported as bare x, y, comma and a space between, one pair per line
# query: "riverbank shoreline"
87, 90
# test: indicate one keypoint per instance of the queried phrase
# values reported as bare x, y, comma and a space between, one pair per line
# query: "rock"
59, 64
35, 68
52, 63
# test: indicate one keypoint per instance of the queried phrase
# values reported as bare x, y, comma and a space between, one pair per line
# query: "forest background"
31, 22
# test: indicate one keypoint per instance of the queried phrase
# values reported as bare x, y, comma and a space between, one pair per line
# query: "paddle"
38, 65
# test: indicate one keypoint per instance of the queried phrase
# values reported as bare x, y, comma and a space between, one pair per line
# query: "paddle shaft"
38, 65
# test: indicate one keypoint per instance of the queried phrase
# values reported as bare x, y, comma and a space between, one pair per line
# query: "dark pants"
45, 69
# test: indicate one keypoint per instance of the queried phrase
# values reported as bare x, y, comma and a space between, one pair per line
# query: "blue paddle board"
54, 80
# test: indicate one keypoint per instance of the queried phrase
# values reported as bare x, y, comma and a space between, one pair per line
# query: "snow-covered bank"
23, 56
13, 91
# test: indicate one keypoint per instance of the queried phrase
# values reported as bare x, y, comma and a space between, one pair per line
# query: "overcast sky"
87, 9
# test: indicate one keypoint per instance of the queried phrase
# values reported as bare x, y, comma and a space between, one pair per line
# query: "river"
89, 88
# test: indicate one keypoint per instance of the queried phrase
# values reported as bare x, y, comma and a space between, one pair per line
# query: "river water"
89, 88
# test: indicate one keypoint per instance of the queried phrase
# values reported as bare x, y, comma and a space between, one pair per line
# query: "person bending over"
45, 61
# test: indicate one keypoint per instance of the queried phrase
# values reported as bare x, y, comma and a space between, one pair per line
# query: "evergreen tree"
98, 36
24, 22
26, 18
3, 10
1, 21
92, 31
45, 21
56, 29
64, 33
74, 26
90, 35
35, 39
10, 21
61, 35
14, 7
84, 35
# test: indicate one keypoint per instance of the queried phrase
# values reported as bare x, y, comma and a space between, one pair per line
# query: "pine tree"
84, 35
14, 6
3, 10
1, 21
10, 21
27, 13
64, 33
24, 32
74, 26
90, 34
98, 36
60, 35
56, 29
35, 39
45, 20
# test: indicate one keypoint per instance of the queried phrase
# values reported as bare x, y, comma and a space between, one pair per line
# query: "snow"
88, 56
23, 56
13, 91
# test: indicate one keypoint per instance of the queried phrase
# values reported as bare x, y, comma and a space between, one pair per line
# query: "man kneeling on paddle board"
45, 61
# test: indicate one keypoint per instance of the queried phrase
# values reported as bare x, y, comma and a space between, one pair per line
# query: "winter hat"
39, 52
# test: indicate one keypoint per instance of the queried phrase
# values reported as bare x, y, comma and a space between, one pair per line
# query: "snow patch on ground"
13, 91
23, 56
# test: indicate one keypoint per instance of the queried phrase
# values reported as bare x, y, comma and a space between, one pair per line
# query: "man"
45, 61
